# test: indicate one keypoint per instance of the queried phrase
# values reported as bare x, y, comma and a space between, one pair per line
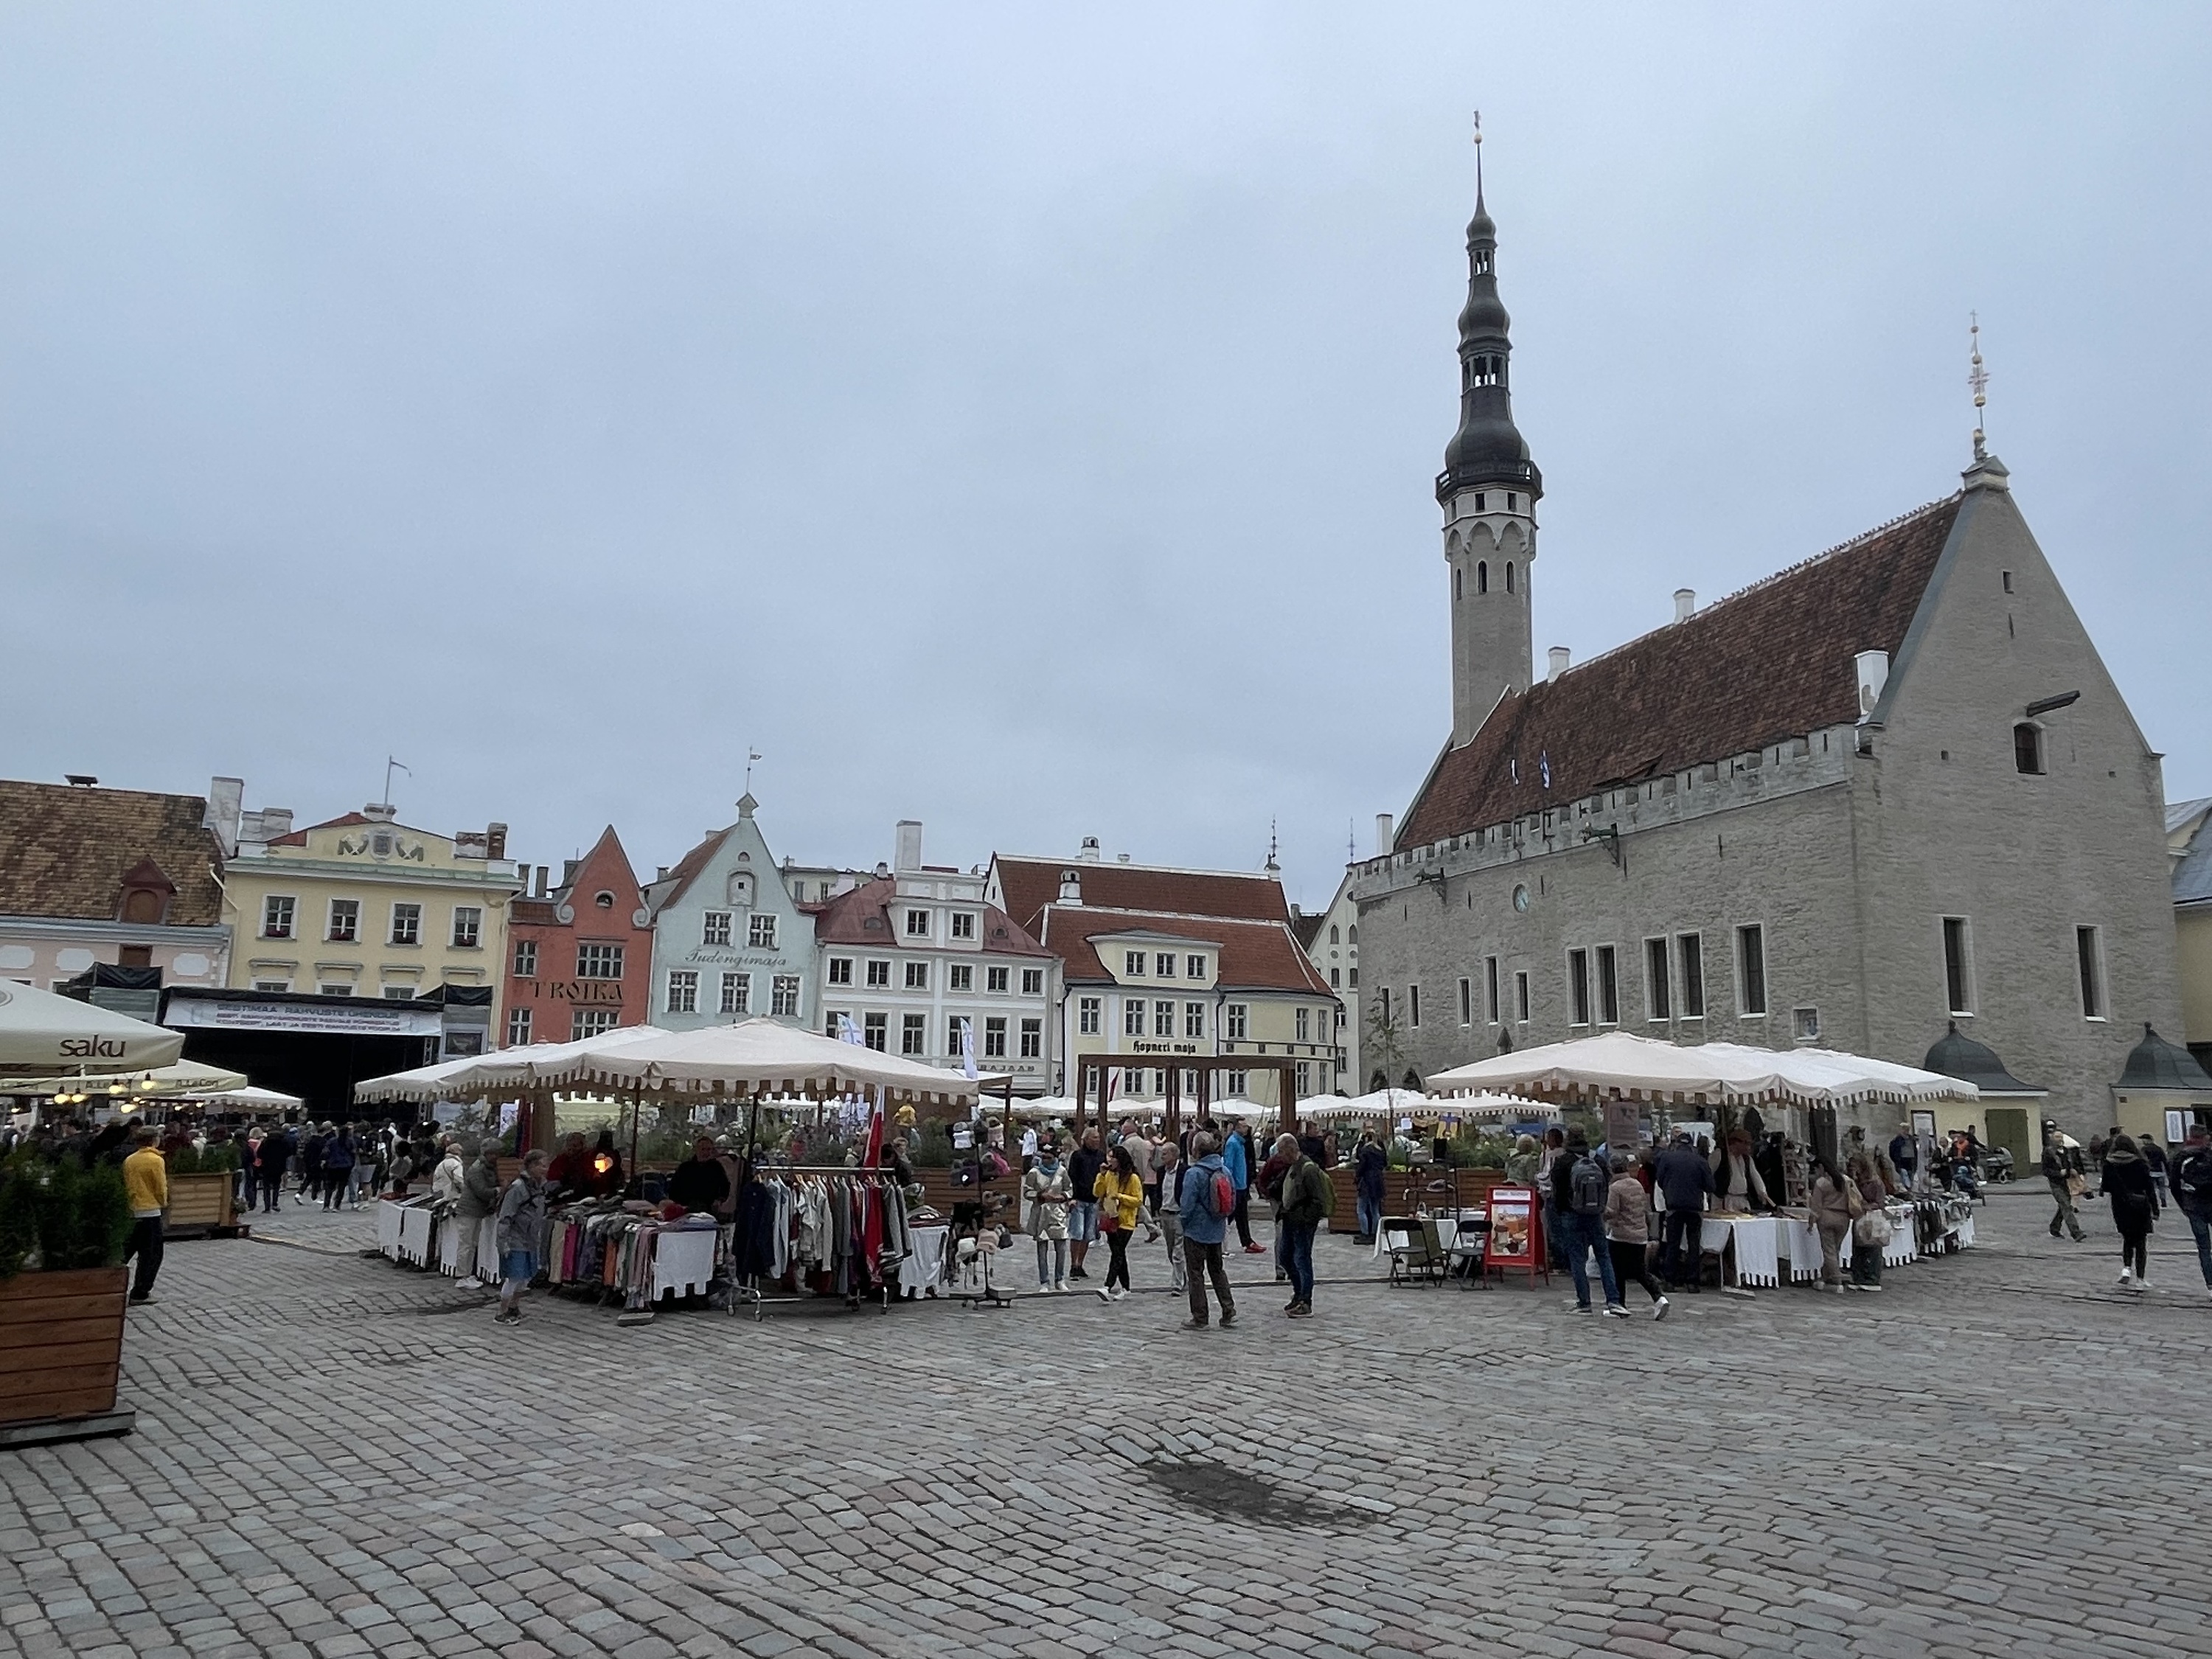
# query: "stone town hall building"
1889, 787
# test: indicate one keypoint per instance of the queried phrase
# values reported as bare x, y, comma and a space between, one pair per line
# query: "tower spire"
1477, 160
1978, 381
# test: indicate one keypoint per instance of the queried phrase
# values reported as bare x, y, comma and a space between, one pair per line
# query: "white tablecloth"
1802, 1240
387, 1228
1758, 1240
414, 1234
922, 1274
683, 1260
1903, 1248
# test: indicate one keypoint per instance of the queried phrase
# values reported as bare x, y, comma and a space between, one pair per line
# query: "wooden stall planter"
202, 1204
61, 1355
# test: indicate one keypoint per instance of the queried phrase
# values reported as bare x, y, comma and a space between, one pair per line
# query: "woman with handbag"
1045, 1194
1870, 1230
1120, 1190
1835, 1204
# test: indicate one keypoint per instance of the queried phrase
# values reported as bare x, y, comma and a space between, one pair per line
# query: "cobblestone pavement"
1998, 1455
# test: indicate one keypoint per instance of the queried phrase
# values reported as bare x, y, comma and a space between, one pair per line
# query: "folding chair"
1415, 1257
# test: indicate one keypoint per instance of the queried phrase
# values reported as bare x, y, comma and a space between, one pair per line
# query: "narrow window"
2027, 748
1087, 1010
1467, 1002
1508, 575
1655, 979
1413, 1006
2007, 580
2089, 951
1482, 576
1751, 967
1032, 1039
1690, 948
1455, 584
1133, 1017
1578, 986
1958, 964
1194, 1019
1164, 1015
1608, 986
1490, 986
1520, 997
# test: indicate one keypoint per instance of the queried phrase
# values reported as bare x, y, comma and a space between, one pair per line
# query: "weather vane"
1977, 378
1478, 156
752, 756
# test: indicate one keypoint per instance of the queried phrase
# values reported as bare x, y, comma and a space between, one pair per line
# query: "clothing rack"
883, 1292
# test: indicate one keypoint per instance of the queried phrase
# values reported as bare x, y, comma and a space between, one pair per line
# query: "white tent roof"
44, 1036
183, 1077
509, 1070
1620, 1062
252, 1099
755, 1056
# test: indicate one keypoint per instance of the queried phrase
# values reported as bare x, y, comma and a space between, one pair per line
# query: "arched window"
1332, 938
1353, 936
1508, 575
1482, 576
1455, 581
2028, 747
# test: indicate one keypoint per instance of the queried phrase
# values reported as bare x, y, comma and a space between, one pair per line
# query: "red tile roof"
687, 867
862, 917
1029, 885
1255, 956
1773, 661
66, 851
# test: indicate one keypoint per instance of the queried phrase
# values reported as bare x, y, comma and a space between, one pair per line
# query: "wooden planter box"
61, 1351
201, 1203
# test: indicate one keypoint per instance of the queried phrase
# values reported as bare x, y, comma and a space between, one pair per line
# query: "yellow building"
363, 906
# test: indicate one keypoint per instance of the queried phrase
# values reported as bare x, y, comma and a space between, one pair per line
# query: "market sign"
190, 1014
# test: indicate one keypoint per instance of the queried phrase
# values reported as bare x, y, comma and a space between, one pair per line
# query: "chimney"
380, 811
1089, 851
1071, 887
226, 801
1121, 857
1871, 668
1384, 825
546, 869
1560, 655
496, 842
569, 872
907, 843
1686, 604
659, 873
276, 822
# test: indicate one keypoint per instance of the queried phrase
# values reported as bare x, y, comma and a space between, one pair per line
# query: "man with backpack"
1306, 1199
1209, 1201
2189, 1178
1683, 1178
1579, 1181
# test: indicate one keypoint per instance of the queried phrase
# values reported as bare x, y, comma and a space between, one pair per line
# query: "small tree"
1386, 1033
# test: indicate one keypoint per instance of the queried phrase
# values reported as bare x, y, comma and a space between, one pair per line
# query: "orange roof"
1255, 956
1029, 885
862, 917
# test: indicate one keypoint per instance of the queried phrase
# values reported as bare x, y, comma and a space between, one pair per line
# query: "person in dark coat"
2133, 1195
1371, 1166
1683, 1178
270, 1162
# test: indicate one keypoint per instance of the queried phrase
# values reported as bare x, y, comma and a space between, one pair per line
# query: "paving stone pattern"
1996, 1456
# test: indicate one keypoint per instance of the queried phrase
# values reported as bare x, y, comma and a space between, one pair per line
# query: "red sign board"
1517, 1231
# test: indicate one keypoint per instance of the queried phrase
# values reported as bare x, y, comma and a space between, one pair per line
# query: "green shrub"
60, 1215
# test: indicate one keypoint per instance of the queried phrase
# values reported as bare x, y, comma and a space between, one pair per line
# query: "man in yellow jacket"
146, 1183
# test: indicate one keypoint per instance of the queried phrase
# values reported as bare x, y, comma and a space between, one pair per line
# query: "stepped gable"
1028, 884
1771, 662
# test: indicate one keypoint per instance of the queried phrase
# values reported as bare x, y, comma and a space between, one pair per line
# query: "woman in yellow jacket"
1120, 1191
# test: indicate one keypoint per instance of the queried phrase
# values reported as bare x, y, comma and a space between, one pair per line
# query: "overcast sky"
1024, 418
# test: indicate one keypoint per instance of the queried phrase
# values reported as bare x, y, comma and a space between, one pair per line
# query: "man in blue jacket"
1237, 1159
1204, 1225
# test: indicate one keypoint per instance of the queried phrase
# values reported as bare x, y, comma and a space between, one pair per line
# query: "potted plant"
62, 1289
203, 1190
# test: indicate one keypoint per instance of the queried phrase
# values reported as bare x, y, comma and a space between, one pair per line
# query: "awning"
45, 1035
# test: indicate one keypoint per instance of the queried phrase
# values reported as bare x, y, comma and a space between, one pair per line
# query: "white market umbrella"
250, 1099
45, 1035
513, 1068
183, 1077
755, 1056
1391, 1104
1816, 1076
1620, 1062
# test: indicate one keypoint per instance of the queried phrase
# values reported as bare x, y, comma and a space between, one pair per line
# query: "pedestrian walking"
2189, 1179
1904, 1155
2133, 1195
1835, 1204
249, 1149
1307, 1197
1626, 1220
338, 1158
522, 1216
1238, 1162
1045, 1197
1870, 1230
146, 1185
1120, 1192
479, 1199
1209, 1201
270, 1160
1083, 1167
1683, 1178
2068, 1177
1579, 1186
1168, 1165
1371, 1170
311, 1164
1554, 1148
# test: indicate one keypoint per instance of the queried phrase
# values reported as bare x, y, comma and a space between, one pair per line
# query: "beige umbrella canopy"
183, 1077
43, 1035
